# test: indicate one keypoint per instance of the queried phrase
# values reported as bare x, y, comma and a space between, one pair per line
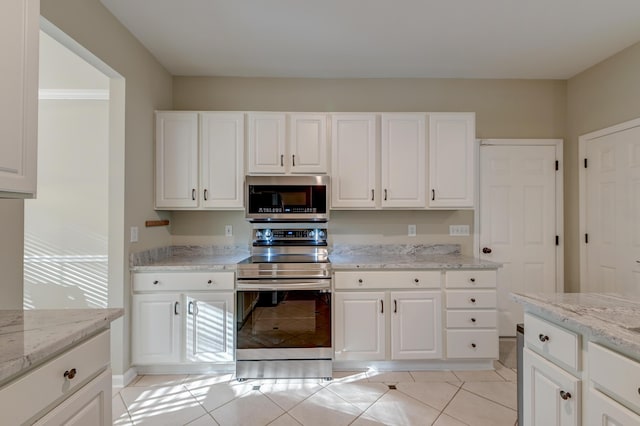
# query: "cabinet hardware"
473, 280
473, 320
360, 280
193, 194
293, 160
190, 308
209, 282
70, 374
473, 345
416, 280
372, 197
565, 395
543, 338
206, 194
385, 195
156, 282
433, 195
486, 250
281, 160
472, 300
175, 308
395, 306
381, 307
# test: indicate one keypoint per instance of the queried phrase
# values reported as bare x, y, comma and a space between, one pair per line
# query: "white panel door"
266, 140
353, 161
155, 335
222, 159
308, 141
612, 212
209, 327
176, 159
416, 325
518, 222
359, 326
551, 396
403, 160
19, 30
452, 160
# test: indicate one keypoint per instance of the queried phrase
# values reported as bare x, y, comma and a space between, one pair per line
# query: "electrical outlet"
459, 230
134, 234
411, 230
228, 231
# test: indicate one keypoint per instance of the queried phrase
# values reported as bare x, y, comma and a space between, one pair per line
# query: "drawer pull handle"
473, 280
416, 280
175, 308
473, 320
473, 345
210, 282
156, 282
395, 306
381, 307
70, 374
565, 395
360, 280
472, 300
543, 338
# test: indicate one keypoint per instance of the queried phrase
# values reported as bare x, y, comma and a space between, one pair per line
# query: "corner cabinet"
452, 161
199, 160
287, 143
20, 29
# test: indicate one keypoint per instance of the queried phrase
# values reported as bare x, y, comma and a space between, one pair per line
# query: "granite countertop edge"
576, 317
79, 323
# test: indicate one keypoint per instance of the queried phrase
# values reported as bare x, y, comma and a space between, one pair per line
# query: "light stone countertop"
188, 258
30, 337
607, 318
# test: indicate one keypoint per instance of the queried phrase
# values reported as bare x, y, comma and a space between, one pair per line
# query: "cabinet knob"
360, 280
473, 320
565, 395
473, 345
156, 282
543, 338
209, 282
416, 280
486, 250
473, 280
70, 374
472, 300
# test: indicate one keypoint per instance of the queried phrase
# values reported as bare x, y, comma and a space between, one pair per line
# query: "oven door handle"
271, 285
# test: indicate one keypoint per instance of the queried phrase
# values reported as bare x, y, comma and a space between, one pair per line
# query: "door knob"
486, 250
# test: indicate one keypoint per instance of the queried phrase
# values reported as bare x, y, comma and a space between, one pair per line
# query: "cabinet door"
308, 140
266, 143
416, 325
222, 160
156, 320
604, 411
176, 159
353, 161
551, 396
360, 326
91, 405
209, 327
451, 160
403, 160
20, 29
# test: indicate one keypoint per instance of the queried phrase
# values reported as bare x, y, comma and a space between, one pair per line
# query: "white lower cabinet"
604, 411
173, 327
360, 326
416, 325
551, 395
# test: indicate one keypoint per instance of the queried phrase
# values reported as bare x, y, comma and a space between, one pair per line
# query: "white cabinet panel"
19, 28
360, 326
416, 326
615, 374
560, 345
156, 320
308, 141
353, 161
451, 160
604, 411
403, 157
266, 141
472, 344
209, 327
387, 279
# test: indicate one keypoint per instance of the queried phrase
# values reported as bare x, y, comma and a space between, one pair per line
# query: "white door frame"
558, 143
582, 180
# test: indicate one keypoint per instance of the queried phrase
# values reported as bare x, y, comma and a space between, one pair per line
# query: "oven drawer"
387, 279
172, 281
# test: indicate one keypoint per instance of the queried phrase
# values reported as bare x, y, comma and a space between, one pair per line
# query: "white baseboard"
119, 381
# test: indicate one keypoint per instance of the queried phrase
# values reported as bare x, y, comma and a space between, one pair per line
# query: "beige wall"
148, 87
504, 109
603, 95
11, 242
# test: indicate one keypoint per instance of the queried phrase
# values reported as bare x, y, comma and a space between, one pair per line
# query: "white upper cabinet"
308, 142
353, 161
176, 159
275, 148
222, 160
451, 160
403, 160
19, 28
267, 139
199, 160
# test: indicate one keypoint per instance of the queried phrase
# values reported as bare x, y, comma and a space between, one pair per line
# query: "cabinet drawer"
471, 299
552, 341
602, 410
472, 344
33, 392
395, 279
167, 281
470, 279
472, 319
615, 374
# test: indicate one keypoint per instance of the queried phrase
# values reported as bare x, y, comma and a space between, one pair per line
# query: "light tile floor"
439, 398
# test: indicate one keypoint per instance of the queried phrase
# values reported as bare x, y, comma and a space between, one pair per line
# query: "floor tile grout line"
370, 405
201, 405
422, 402
300, 402
126, 407
448, 403
488, 399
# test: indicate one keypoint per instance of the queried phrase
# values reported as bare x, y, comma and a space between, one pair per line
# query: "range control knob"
321, 234
258, 235
312, 234
267, 234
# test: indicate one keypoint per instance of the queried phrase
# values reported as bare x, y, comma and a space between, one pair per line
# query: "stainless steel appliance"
284, 304
287, 198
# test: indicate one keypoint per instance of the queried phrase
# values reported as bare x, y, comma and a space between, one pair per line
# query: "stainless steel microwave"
287, 198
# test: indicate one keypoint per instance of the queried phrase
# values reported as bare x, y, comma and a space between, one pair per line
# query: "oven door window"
284, 319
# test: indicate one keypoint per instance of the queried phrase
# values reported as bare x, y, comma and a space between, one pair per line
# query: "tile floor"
440, 398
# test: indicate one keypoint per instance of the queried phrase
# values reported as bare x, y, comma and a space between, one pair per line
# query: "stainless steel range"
284, 304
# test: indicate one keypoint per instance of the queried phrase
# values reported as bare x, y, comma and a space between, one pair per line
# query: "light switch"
228, 231
134, 234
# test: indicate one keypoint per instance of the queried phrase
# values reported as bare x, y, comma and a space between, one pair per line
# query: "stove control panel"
289, 236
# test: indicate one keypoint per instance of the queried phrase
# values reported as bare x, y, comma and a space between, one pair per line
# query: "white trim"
582, 152
74, 94
119, 381
558, 143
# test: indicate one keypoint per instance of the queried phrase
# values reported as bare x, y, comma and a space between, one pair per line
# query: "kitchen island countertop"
30, 337
612, 319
